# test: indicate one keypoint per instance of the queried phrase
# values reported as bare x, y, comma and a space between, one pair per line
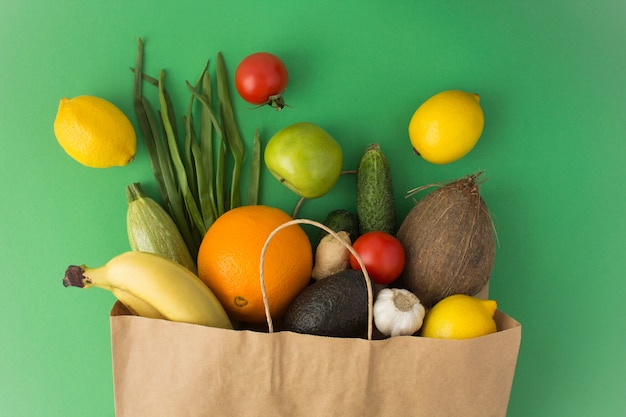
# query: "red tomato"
382, 255
261, 78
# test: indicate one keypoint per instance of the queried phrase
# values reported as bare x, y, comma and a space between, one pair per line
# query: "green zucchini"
375, 203
151, 229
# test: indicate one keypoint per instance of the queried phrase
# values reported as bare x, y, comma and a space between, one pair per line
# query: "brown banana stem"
74, 277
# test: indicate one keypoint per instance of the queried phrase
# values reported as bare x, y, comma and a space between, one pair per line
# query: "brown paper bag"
162, 368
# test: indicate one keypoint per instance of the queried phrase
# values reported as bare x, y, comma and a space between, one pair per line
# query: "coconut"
449, 242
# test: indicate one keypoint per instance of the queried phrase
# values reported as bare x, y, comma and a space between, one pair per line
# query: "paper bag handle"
368, 281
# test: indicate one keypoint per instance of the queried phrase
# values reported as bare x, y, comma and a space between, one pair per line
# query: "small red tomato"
382, 255
261, 78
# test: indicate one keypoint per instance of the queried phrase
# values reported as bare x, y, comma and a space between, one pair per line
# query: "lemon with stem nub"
446, 126
95, 132
460, 316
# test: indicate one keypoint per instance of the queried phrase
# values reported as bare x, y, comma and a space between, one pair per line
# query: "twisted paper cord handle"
370, 293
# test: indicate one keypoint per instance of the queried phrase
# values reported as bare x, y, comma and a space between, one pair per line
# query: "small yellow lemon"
95, 132
446, 126
460, 316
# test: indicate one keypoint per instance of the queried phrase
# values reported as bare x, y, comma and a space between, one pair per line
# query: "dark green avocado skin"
335, 306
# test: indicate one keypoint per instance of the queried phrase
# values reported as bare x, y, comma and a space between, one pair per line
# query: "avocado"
341, 220
335, 306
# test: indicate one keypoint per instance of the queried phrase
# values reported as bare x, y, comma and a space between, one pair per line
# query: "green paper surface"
552, 79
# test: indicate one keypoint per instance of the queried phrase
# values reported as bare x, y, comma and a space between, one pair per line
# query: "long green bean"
174, 202
144, 124
203, 195
255, 170
158, 160
209, 109
220, 180
207, 187
221, 203
200, 184
187, 154
172, 142
192, 174
172, 199
231, 132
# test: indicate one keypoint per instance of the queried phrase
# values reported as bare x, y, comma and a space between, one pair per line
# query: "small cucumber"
341, 220
375, 203
151, 229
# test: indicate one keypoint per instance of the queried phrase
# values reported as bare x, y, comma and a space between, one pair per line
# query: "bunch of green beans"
191, 171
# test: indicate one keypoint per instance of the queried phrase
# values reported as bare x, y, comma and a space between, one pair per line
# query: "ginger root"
331, 256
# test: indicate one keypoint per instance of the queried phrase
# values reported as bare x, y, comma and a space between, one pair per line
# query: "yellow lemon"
460, 316
95, 132
446, 126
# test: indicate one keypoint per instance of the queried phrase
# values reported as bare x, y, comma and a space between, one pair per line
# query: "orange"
229, 261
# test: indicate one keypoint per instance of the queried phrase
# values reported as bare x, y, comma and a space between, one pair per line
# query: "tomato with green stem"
261, 78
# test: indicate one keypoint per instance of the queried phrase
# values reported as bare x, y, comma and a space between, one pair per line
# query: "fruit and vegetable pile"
204, 251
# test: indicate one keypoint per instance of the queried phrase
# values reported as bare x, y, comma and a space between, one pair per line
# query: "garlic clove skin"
398, 312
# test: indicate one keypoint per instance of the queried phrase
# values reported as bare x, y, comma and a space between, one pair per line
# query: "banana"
135, 305
153, 285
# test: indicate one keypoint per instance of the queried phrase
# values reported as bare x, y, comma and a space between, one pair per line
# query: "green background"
552, 80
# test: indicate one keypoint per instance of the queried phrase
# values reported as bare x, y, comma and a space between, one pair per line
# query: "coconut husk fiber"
449, 240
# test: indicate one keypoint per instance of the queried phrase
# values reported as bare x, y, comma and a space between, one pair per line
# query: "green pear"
305, 158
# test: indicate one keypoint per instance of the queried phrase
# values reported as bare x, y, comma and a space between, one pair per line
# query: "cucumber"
341, 220
375, 203
151, 229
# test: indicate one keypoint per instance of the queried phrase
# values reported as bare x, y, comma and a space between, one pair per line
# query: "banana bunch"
152, 286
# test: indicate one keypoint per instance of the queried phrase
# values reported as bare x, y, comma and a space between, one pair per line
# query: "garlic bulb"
398, 312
